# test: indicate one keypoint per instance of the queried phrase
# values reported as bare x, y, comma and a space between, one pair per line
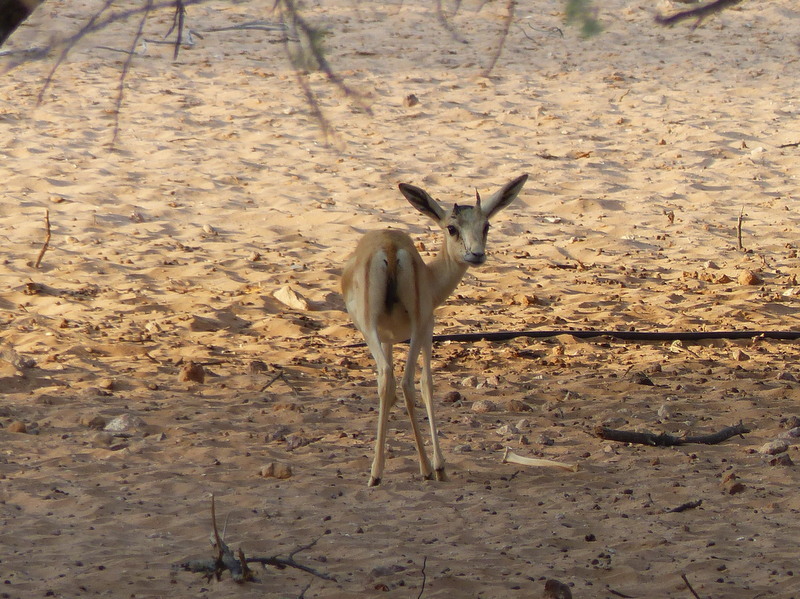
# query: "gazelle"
391, 294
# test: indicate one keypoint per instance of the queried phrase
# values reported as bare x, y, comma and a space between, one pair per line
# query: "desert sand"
645, 147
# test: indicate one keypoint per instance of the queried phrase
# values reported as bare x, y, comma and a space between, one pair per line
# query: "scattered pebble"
276, 470
553, 589
96, 422
740, 356
516, 405
748, 277
781, 459
125, 423
17, 427
774, 447
484, 406
731, 485
453, 397
410, 100
192, 372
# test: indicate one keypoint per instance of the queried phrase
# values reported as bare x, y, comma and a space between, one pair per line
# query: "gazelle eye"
486, 230
452, 230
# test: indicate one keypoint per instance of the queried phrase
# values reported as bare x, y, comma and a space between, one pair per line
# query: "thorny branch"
237, 564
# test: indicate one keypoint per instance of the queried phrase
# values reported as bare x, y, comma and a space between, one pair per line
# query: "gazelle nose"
475, 258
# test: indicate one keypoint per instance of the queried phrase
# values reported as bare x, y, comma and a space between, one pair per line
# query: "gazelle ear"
422, 201
503, 197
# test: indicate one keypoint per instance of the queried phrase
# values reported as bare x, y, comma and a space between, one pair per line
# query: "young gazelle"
391, 294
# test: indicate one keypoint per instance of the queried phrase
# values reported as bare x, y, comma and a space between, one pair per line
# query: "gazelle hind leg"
427, 396
407, 388
387, 394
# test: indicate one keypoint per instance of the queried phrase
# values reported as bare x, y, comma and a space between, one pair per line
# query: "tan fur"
391, 294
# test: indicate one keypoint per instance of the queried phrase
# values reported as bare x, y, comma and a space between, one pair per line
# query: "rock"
507, 429
17, 427
296, 441
470, 381
484, 406
256, 367
125, 423
516, 405
453, 397
781, 459
731, 485
523, 424
107, 384
740, 356
723, 279
192, 372
774, 447
748, 277
792, 433
290, 298
96, 422
665, 412
276, 470
640, 378
204, 324
553, 589
544, 440
463, 448
410, 100
787, 376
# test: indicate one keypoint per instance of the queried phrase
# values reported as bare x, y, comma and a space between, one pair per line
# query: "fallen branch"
669, 336
46, 243
237, 564
700, 13
689, 505
667, 440
509, 457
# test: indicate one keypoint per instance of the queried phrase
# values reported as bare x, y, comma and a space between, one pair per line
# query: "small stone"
192, 372
748, 277
484, 406
774, 447
209, 230
296, 441
507, 429
740, 356
544, 440
516, 405
276, 470
470, 381
463, 448
665, 412
723, 279
731, 485
96, 422
523, 424
125, 423
256, 367
553, 589
107, 384
17, 427
254, 257
410, 100
453, 397
781, 459
640, 378
787, 376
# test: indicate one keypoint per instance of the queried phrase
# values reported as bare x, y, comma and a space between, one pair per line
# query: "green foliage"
582, 14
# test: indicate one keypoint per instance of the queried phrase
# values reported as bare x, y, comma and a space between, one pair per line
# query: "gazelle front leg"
426, 381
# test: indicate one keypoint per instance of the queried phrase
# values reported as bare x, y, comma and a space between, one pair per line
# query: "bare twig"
699, 13
424, 577
46, 243
689, 586
739, 230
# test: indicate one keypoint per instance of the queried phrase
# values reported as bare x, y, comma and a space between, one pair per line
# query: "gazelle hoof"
374, 482
440, 475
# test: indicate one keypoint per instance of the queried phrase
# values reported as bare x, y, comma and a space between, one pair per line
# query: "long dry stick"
46, 243
739, 229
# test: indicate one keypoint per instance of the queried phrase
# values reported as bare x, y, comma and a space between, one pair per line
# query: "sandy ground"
644, 146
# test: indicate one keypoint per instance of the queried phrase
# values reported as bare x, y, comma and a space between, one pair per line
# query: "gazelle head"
465, 227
